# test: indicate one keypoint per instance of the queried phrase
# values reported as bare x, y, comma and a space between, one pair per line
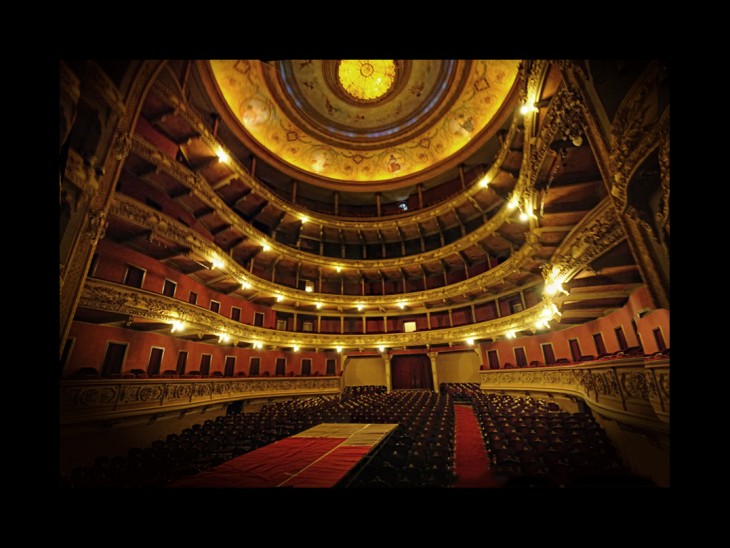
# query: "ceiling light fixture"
318, 305
528, 108
295, 348
401, 305
338, 268
510, 334
339, 349
484, 183
222, 155
523, 216
470, 341
304, 219
360, 307
279, 298
245, 285
381, 348
266, 246
177, 326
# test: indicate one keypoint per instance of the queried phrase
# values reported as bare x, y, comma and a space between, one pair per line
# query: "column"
386, 358
432, 356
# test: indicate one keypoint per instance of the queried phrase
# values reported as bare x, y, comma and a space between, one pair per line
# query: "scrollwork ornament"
122, 144
97, 225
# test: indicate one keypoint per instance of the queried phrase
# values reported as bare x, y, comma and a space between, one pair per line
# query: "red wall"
112, 264
637, 302
91, 340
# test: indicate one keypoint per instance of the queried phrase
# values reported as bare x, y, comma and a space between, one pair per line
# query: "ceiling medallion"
366, 81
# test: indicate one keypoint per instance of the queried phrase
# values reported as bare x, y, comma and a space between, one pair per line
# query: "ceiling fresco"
429, 116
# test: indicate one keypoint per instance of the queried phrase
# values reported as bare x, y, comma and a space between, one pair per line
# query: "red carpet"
471, 462
318, 457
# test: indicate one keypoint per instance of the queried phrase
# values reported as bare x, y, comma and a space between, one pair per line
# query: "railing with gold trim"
181, 109
631, 390
83, 400
130, 301
142, 215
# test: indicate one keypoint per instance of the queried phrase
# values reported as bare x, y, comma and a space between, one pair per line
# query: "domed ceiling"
359, 125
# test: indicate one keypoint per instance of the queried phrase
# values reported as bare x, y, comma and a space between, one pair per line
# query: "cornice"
129, 301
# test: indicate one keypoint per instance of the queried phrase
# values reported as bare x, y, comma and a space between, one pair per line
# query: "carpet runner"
318, 457
471, 462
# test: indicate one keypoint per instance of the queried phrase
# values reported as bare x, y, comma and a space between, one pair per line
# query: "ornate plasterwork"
107, 399
121, 299
257, 110
262, 190
135, 212
597, 232
636, 130
620, 389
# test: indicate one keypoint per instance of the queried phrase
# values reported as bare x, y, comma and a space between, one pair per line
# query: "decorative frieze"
109, 398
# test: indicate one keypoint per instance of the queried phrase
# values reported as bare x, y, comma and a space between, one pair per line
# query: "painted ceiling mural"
366, 121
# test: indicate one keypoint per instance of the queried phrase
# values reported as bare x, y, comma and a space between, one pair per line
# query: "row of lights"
258, 345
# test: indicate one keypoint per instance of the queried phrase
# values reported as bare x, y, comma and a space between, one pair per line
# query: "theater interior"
364, 273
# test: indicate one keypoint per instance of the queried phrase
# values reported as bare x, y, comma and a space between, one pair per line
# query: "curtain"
411, 371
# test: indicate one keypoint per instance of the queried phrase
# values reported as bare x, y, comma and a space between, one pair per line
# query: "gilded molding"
635, 131
618, 389
202, 190
663, 214
142, 215
82, 174
96, 228
122, 299
597, 232
108, 398
377, 223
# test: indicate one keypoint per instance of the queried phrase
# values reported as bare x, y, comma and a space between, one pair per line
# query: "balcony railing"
83, 400
632, 390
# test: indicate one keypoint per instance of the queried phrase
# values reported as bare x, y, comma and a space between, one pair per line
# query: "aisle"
471, 462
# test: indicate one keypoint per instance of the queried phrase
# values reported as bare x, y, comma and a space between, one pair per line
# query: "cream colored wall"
458, 367
364, 370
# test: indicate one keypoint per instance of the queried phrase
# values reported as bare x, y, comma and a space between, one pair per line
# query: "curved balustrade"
144, 216
111, 399
629, 390
182, 110
122, 299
